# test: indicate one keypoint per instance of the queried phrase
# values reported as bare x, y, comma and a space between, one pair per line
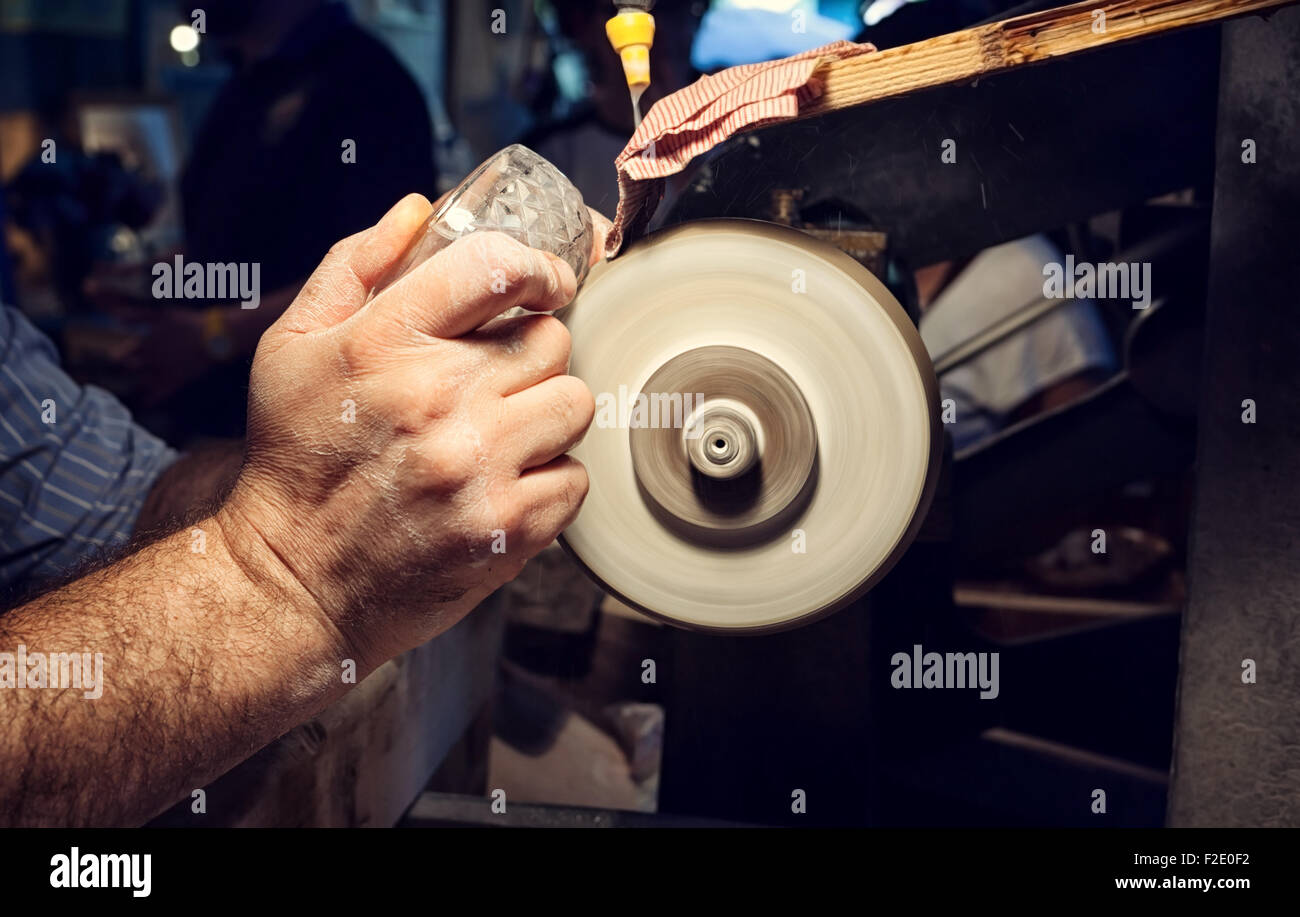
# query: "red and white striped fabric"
693, 120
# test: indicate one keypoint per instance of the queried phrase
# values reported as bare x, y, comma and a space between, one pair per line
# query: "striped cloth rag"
693, 120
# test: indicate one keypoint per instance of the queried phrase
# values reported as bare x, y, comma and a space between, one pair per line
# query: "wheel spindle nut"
721, 443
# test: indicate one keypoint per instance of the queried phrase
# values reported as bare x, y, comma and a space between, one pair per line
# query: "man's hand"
391, 447
403, 460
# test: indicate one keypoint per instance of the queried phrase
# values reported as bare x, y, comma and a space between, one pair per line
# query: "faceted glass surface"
516, 192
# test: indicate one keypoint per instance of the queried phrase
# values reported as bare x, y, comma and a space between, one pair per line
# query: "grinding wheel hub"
783, 445
735, 470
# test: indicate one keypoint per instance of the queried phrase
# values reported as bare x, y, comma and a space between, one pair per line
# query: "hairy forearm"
191, 488
210, 649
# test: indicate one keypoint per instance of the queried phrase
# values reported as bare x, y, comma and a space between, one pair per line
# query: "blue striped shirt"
74, 469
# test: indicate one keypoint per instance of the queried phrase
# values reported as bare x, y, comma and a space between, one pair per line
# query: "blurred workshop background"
127, 136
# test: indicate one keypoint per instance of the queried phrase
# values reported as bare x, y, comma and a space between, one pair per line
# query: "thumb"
342, 281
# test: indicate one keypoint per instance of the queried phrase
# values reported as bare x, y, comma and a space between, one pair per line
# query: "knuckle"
571, 490
354, 354
439, 398
447, 468
503, 514
564, 404
512, 518
407, 415
584, 403
550, 338
573, 404
578, 485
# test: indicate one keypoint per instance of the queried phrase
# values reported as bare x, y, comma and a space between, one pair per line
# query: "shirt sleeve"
74, 468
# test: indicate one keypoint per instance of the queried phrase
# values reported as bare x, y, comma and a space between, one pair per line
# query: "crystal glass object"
517, 192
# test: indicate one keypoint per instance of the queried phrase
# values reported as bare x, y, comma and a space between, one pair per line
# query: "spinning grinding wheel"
803, 455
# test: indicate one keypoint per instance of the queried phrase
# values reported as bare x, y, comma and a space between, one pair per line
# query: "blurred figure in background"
317, 132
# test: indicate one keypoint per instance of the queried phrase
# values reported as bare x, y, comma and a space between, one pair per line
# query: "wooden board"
986, 49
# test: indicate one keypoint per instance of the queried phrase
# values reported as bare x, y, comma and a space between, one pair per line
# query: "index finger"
472, 281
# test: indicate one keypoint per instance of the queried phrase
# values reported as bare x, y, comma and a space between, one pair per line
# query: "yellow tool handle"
632, 33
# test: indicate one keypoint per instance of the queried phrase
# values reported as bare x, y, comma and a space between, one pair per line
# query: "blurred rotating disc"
766, 439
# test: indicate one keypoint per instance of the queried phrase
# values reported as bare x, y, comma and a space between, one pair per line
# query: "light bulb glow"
183, 38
